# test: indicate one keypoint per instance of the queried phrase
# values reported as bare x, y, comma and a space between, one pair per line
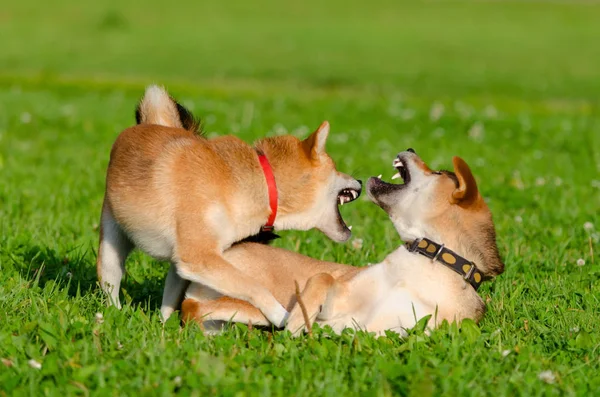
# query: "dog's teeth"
354, 194
350, 227
396, 175
379, 177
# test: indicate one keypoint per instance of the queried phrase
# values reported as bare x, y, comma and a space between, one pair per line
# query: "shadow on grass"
76, 270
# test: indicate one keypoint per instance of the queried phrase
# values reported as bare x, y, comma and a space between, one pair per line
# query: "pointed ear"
314, 145
466, 192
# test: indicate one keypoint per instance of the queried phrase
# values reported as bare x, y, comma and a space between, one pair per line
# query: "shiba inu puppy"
451, 249
183, 198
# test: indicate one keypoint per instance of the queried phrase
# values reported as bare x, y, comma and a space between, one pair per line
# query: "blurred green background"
510, 86
530, 48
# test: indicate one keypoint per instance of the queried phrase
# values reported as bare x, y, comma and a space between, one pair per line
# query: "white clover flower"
518, 219
301, 131
394, 109
34, 364
588, 226
558, 181
338, 138
580, 262
506, 352
490, 112
547, 376
497, 331
438, 132
437, 111
25, 117
476, 131
574, 329
99, 318
357, 243
279, 129
517, 182
463, 110
407, 114
177, 380
540, 181
67, 110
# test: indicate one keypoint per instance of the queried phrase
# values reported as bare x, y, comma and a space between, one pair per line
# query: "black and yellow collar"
438, 252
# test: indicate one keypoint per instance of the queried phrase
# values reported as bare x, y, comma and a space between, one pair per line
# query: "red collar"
272, 186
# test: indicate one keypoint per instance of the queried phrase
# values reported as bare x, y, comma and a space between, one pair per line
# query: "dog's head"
310, 188
443, 206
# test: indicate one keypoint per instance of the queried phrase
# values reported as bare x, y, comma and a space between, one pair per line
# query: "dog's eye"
436, 173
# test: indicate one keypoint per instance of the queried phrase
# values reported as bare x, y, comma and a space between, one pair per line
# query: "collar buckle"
267, 228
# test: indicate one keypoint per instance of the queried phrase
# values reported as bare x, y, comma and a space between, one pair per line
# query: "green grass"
518, 82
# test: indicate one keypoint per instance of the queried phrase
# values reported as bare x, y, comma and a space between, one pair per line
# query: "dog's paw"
278, 316
296, 330
296, 324
165, 313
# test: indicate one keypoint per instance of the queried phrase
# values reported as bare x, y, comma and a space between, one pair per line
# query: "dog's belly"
156, 243
396, 311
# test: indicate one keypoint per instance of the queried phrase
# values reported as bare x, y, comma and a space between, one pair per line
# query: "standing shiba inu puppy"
184, 198
451, 249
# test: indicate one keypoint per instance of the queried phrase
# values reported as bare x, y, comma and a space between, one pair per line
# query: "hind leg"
112, 252
213, 314
175, 287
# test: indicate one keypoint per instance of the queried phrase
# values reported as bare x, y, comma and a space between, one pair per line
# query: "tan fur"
184, 198
391, 295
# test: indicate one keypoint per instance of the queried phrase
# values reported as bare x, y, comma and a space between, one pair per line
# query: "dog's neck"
407, 260
289, 188
449, 258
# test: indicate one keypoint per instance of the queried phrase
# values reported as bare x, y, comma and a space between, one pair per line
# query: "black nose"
411, 150
359, 181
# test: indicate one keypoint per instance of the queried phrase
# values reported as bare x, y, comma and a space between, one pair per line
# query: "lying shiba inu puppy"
184, 198
451, 249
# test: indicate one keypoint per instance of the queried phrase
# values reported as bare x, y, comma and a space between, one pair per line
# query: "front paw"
278, 316
296, 324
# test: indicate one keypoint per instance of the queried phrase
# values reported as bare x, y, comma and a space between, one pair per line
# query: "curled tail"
157, 107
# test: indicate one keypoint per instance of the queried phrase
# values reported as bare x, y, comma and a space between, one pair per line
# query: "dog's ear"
466, 192
314, 145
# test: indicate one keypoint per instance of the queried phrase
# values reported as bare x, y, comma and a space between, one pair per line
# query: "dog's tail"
157, 107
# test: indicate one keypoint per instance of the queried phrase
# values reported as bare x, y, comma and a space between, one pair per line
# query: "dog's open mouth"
402, 171
347, 195
378, 188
